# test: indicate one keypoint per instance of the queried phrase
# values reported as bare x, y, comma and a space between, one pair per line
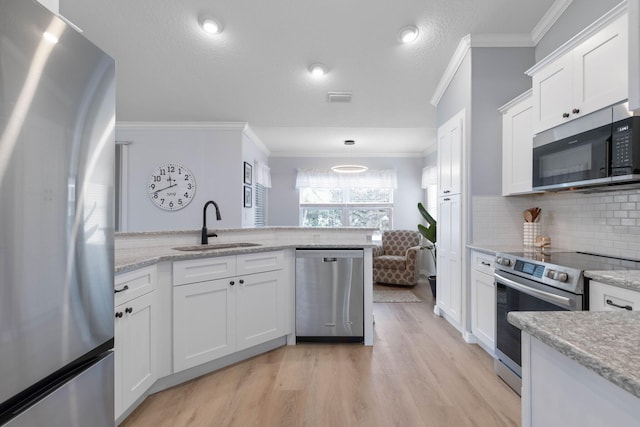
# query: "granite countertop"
606, 342
629, 279
133, 258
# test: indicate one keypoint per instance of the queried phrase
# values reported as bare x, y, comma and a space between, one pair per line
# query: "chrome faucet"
205, 234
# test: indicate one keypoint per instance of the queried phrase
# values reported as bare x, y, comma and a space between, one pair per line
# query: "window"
260, 206
430, 184
362, 200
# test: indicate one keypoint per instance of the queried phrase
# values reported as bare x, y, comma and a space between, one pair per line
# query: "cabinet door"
600, 68
483, 309
552, 94
204, 326
135, 347
517, 148
449, 282
450, 138
261, 305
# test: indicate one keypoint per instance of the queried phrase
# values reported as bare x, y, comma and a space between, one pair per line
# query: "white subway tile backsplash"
604, 223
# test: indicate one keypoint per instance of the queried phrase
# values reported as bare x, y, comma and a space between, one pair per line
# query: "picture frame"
247, 196
248, 173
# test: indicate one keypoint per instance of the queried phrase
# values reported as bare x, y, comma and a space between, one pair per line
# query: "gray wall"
497, 76
458, 93
283, 197
579, 15
214, 156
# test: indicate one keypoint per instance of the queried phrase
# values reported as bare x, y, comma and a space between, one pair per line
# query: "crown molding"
476, 40
606, 19
239, 126
342, 155
458, 56
516, 100
255, 139
553, 14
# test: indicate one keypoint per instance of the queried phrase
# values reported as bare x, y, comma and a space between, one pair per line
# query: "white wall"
251, 153
215, 156
283, 196
52, 5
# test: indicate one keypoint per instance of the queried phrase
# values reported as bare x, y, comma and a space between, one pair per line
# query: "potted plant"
429, 234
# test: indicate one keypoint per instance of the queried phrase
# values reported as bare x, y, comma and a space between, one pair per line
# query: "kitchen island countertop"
605, 342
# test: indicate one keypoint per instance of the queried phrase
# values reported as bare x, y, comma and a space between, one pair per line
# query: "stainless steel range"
534, 281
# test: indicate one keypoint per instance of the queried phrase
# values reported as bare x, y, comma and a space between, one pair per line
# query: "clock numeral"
153, 186
189, 186
162, 201
170, 204
179, 171
186, 177
163, 171
157, 178
155, 195
180, 202
171, 169
186, 195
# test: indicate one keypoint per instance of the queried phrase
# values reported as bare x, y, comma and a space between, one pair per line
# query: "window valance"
326, 178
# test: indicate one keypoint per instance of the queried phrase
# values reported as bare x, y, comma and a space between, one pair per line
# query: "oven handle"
556, 299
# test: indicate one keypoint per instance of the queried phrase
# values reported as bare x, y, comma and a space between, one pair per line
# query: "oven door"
579, 160
514, 293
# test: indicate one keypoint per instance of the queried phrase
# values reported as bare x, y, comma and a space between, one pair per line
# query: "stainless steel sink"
214, 246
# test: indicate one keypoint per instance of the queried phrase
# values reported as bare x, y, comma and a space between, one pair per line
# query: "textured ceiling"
256, 70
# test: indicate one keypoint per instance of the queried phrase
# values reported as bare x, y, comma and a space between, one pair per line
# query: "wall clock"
171, 186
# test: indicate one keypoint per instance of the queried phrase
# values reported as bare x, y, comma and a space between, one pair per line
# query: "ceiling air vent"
339, 96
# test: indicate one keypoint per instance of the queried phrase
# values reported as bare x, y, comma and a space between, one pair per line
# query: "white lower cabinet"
215, 318
135, 342
603, 297
483, 301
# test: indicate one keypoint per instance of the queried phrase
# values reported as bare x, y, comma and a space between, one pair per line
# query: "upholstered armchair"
394, 262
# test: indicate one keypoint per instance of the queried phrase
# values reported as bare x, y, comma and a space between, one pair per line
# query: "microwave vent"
339, 97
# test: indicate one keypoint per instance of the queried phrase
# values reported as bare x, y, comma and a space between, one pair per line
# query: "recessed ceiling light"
409, 34
318, 69
349, 168
210, 25
349, 142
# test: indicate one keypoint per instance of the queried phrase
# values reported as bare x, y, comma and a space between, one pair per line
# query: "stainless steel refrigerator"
57, 117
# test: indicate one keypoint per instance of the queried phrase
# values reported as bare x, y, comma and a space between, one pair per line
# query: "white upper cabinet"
590, 76
450, 156
517, 145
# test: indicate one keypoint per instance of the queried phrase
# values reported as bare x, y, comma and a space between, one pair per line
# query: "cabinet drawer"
260, 262
604, 297
201, 270
134, 284
482, 262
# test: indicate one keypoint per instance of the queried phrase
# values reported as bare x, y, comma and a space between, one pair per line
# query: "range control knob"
503, 261
557, 275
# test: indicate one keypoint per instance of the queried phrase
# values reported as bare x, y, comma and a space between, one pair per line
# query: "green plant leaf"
429, 231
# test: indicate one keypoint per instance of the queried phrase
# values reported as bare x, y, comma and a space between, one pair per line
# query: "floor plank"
420, 372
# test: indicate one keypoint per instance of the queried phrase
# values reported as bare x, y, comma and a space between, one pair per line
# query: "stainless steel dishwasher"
330, 295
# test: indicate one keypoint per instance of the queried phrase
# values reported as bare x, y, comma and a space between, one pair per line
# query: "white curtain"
262, 174
326, 178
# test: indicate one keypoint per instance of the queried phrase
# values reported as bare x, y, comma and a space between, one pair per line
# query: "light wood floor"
419, 372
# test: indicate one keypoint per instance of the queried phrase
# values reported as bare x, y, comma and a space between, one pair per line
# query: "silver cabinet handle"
485, 263
329, 259
552, 298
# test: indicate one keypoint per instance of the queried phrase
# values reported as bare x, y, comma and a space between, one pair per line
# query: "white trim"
239, 126
516, 100
634, 55
583, 35
124, 186
344, 155
553, 14
255, 139
501, 40
476, 40
452, 68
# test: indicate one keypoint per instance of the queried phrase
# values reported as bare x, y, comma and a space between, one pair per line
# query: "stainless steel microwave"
599, 149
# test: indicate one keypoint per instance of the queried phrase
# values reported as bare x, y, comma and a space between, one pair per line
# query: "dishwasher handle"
327, 259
